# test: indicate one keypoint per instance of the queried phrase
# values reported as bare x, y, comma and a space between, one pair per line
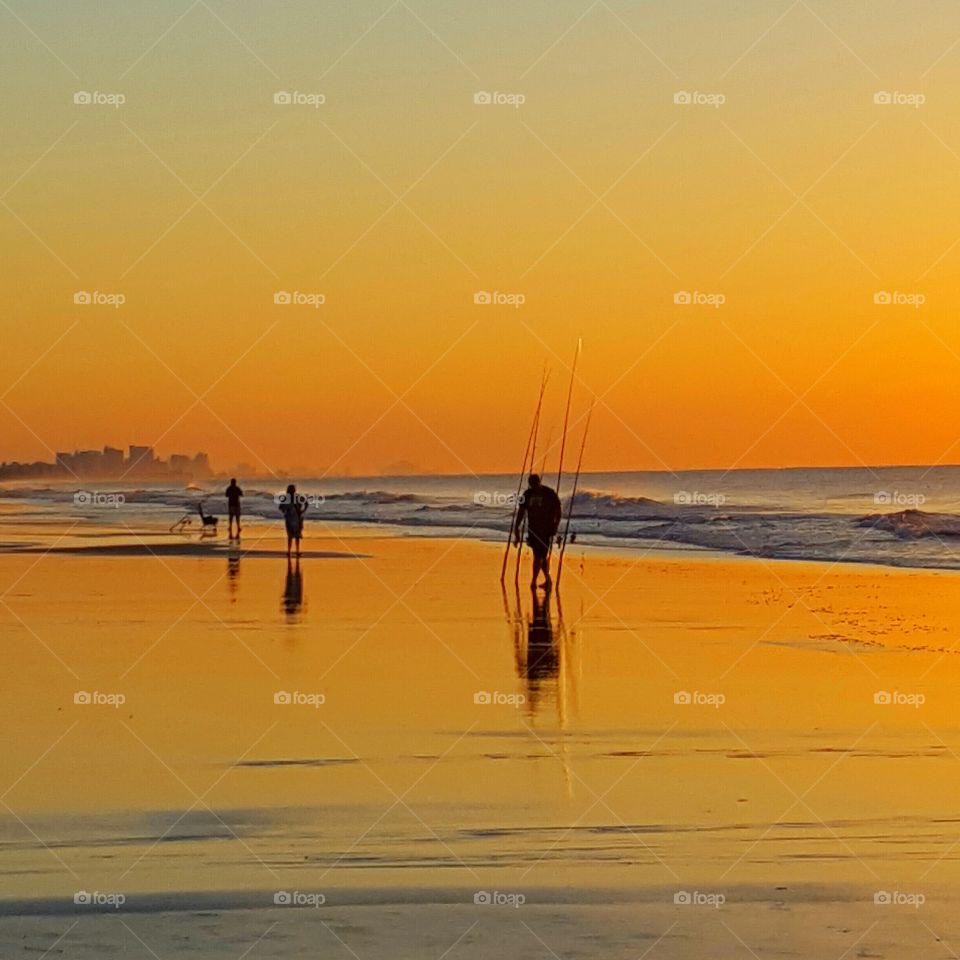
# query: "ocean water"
898, 516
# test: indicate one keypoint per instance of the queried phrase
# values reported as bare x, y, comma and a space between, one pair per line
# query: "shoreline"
221, 548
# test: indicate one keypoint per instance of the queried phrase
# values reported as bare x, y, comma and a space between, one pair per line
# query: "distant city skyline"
109, 463
140, 462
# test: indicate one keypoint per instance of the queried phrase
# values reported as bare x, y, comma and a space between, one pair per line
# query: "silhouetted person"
293, 507
233, 494
293, 589
541, 508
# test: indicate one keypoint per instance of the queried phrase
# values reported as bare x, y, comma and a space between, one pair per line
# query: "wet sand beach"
694, 753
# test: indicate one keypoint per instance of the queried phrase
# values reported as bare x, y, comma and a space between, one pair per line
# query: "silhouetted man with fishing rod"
540, 507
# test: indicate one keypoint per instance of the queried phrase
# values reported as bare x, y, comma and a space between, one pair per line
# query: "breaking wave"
770, 519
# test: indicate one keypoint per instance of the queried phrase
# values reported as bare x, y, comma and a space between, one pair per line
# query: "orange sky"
798, 199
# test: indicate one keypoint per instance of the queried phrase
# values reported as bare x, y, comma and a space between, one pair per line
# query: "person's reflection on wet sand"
542, 661
293, 589
548, 666
233, 570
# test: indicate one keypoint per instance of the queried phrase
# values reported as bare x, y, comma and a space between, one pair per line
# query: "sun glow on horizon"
763, 279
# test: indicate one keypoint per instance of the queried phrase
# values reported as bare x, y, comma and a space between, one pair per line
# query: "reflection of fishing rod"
533, 454
573, 495
563, 689
514, 624
526, 456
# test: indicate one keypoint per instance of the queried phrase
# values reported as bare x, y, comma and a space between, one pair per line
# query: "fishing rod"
566, 415
566, 420
527, 455
543, 463
573, 496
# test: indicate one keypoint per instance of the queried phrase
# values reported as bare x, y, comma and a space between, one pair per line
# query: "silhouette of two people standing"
292, 505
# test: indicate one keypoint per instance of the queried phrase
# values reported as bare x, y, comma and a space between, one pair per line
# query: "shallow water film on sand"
376, 749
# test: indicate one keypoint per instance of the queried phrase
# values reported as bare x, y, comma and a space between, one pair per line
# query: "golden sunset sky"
798, 199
